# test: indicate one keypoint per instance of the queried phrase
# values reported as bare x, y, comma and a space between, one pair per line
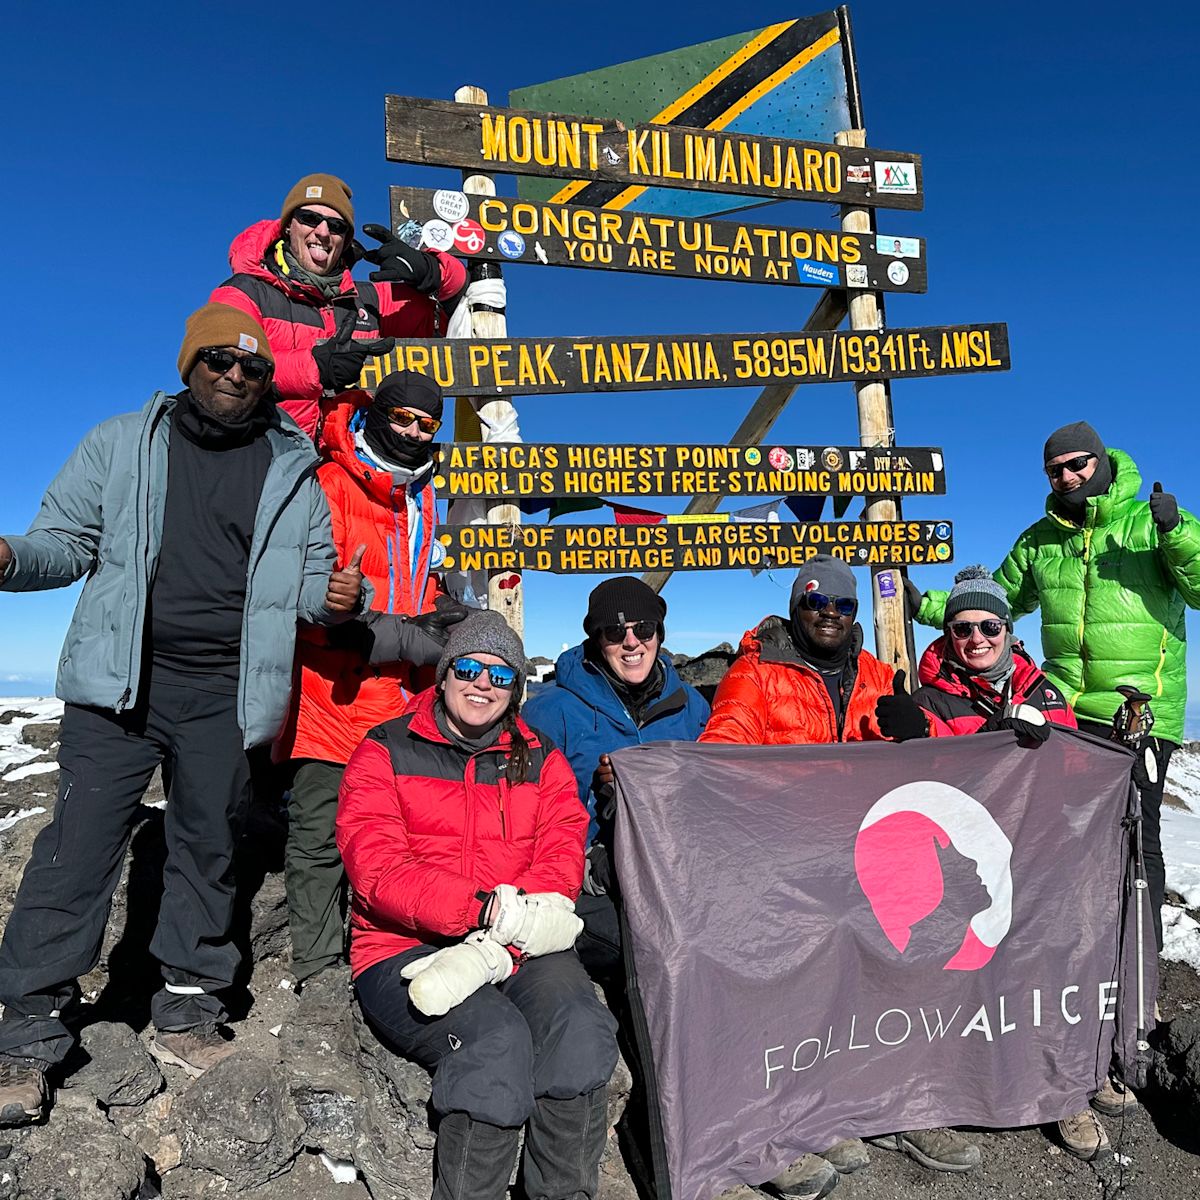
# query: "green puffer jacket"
1113, 594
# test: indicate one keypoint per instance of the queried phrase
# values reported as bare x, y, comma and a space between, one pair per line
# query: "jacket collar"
423, 724
772, 641
584, 679
1103, 510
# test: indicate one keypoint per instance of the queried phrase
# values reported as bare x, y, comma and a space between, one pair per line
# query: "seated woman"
462, 835
977, 678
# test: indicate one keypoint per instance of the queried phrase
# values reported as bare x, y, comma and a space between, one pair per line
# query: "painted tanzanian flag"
836, 941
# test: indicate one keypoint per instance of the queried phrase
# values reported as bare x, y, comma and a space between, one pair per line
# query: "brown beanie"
328, 190
220, 325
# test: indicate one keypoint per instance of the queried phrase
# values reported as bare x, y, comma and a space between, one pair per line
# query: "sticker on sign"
896, 178
898, 273
450, 206
437, 235
858, 173
469, 236
816, 272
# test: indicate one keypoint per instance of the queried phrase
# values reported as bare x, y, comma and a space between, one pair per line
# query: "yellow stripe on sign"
735, 110
698, 519
710, 81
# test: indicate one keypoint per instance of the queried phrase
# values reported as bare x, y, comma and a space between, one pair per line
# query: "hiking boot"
847, 1156
1083, 1136
195, 1049
1113, 1099
809, 1177
24, 1092
937, 1149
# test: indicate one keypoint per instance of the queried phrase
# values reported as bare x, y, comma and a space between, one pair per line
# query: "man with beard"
805, 680
203, 537
378, 478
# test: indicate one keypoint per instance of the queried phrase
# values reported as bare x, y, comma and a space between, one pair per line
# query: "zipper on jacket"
1087, 547
141, 541
501, 787
1162, 662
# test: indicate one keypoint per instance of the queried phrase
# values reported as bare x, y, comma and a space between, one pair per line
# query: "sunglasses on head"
1074, 465
337, 226
990, 628
642, 630
470, 669
844, 606
255, 369
406, 416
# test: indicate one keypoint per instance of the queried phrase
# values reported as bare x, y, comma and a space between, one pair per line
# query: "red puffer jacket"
959, 704
427, 829
340, 697
295, 316
770, 697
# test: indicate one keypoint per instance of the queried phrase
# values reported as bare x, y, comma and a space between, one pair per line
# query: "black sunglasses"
406, 416
1075, 465
337, 226
990, 628
255, 369
470, 669
614, 635
845, 606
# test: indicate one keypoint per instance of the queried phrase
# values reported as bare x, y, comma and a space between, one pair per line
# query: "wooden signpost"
541, 366
442, 133
502, 229
551, 470
708, 544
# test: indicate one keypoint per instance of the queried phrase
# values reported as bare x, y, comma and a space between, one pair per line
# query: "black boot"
564, 1140
474, 1159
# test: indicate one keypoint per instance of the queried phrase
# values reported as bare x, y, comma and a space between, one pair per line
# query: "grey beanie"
485, 632
974, 588
1078, 438
823, 573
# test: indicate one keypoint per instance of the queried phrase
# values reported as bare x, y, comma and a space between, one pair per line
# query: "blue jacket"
582, 715
102, 517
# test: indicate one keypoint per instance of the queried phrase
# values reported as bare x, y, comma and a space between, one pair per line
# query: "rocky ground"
312, 1108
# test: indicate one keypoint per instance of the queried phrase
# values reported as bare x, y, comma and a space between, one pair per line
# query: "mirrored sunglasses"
406, 416
337, 226
614, 635
254, 367
990, 628
844, 606
1074, 465
470, 669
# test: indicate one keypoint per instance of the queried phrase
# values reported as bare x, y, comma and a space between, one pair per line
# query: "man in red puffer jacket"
292, 275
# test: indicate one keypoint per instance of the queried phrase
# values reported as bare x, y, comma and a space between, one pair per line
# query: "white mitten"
542, 923
444, 979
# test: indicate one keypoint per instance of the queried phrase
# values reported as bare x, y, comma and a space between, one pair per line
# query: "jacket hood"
771, 641
583, 679
936, 670
338, 440
424, 724
1103, 510
248, 256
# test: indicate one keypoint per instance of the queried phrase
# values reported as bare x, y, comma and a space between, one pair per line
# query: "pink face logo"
901, 867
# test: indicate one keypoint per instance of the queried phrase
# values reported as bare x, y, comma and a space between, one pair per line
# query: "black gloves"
340, 359
436, 624
900, 717
399, 262
1164, 508
388, 638
913, 599
1027, 722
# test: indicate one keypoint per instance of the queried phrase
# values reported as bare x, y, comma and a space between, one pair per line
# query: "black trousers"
1151, 798
540, 1033
56, 928
599, 945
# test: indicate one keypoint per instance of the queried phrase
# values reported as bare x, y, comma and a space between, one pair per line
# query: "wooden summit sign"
547, 471
504, 229
540, 366
707, 544
441, 133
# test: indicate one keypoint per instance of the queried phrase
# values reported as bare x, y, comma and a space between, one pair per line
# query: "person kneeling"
462, 834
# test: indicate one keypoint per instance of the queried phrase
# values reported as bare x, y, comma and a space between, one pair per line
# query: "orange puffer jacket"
340, 696
770, 697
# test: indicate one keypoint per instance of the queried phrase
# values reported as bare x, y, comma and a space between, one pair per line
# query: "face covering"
1074, 504
394, 447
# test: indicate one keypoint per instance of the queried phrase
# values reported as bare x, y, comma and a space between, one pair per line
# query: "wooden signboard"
547, 366
505, 230
709, 544
545, 471
441, 133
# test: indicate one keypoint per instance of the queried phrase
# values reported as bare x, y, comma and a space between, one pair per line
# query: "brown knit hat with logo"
220, 325
328, 190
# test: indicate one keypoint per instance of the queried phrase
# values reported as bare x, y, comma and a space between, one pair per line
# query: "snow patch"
1181, 937
341, 1170
1181, 849
33, 768
8, 822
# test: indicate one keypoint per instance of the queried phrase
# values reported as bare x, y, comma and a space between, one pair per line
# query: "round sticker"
942, 551
753, 456
941, 530
437, 554
511, 244
468, 236
898, 272
831, 456
779, 458
437, 235
450, 206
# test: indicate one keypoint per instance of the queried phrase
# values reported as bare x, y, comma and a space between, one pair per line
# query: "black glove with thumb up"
1164, 508
899, 716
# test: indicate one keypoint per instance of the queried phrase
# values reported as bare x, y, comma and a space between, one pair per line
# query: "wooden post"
893, 633
508, 599
756, 424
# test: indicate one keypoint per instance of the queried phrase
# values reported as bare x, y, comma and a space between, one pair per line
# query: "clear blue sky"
1056, 140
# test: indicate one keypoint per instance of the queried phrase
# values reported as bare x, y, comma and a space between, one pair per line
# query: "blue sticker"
812, 271
941, 531
887, 584
409, 233
437, 555
510, 244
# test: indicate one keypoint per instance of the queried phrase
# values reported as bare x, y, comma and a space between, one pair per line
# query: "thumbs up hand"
899, 716
344, 593
1164, 509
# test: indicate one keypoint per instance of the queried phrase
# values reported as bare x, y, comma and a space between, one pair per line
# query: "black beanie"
410, 389
625, 598
1079, 437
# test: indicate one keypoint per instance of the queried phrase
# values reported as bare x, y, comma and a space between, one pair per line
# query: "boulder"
116, 1068
42, 734
1175, 1071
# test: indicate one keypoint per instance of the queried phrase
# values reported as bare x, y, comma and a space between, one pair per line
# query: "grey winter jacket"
102, 517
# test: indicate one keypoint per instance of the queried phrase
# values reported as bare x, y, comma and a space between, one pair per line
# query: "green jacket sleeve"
1180, 550
1013, 575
